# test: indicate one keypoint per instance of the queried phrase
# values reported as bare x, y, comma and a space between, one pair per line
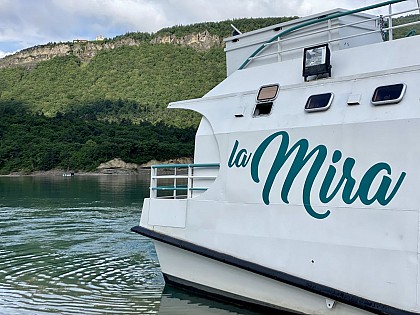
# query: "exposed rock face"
28, 58
184, 160
84, 51
200, 41
31, 56
117, 166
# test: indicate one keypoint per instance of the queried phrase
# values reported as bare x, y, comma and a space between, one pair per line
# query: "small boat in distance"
68, 173
303, 192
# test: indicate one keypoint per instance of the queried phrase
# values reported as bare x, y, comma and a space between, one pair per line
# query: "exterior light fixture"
316, 61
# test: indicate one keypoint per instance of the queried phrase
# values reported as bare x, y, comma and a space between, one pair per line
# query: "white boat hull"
219, 278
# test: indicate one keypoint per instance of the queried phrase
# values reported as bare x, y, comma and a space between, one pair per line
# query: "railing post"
329, 31
190, 182
175, 190
153, 182
278, 50
391, 35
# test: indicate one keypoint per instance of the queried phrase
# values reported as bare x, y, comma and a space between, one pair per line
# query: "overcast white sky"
26, 23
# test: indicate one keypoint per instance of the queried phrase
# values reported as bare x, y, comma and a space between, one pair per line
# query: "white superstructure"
303, 192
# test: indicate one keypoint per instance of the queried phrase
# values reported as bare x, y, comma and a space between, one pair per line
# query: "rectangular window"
319, 102
263, 109
388, 94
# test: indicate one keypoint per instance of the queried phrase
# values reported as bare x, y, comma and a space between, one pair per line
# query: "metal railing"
180, 181
279, 38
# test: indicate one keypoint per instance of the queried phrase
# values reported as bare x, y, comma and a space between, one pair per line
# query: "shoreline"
115, 166
61, 173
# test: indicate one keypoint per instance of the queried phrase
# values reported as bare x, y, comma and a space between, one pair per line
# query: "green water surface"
66, 248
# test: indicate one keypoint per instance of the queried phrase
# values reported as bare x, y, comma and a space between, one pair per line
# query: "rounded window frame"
389, 101
319, 109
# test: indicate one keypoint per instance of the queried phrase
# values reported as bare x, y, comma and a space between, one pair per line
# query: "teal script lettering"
315, 159
239, 159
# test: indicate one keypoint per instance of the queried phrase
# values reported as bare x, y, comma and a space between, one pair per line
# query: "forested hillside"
132, 83
127, 83
67, 113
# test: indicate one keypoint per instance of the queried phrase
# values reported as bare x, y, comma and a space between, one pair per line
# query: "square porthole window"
389, 94
267, 93
319, 102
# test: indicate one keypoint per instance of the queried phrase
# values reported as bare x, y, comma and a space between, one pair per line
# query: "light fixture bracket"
316, 61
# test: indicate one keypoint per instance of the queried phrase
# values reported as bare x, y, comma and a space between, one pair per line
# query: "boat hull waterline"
226, 276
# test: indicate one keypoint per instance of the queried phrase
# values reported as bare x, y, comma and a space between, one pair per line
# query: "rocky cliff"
85, 51
200, 41
118, 166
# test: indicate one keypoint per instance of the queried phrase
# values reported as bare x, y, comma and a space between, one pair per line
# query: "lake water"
66, 248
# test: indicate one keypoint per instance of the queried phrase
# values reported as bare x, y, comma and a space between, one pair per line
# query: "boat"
303, 194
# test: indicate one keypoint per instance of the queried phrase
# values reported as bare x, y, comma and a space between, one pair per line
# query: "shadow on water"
181, 301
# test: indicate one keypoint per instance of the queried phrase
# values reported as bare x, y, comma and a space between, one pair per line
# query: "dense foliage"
35, 142
128, 83
223, 29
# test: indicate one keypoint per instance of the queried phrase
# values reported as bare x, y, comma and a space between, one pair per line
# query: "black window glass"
263, 109
318, 102
388, 94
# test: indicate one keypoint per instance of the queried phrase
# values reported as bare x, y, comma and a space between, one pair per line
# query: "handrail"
333, 28
312, 22
185, 165
327, 41
402, 25
181, 182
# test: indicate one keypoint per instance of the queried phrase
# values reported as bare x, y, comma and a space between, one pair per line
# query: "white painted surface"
371, 251
168, 212
210, 273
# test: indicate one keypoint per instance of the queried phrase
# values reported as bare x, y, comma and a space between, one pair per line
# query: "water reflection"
51, 191
66, 248
176, 301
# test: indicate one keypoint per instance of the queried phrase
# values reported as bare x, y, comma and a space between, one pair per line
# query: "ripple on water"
76, 260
